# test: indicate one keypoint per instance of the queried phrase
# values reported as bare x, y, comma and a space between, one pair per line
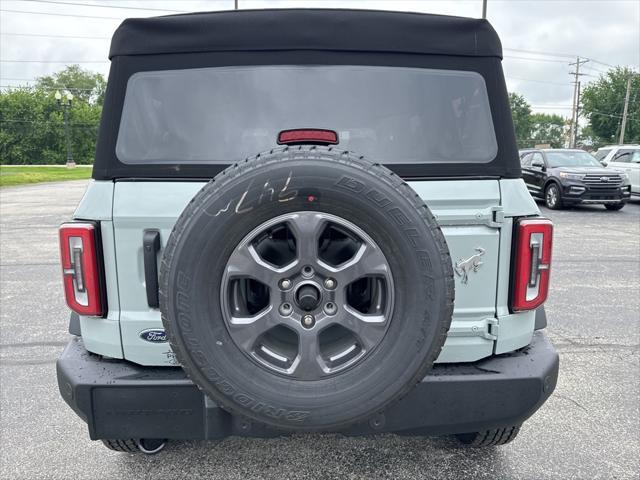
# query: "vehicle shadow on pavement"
320, 457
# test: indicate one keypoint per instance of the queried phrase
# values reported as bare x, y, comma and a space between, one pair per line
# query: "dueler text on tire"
306, 288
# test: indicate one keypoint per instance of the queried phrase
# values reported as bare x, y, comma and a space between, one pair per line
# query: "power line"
535, 52
552, 107
538, 52
60, 14
561, 107
34, 87
105, 61
104, 6
601, 63
591, 68
514, 57
14, 34
54, 61
56, 2
89, 89
551, 54
538, 81
629, 118
40, 122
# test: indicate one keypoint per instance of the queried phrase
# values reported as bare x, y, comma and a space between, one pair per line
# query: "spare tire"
306, 288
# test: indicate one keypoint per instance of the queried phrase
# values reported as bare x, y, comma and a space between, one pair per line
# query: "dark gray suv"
566, 177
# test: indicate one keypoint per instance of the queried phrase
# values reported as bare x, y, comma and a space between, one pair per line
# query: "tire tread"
121, 445
490, 438
346, 158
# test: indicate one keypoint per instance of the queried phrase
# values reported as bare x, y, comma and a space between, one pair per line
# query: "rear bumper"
118, 399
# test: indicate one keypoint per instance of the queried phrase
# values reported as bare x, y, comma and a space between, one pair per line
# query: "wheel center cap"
308, 297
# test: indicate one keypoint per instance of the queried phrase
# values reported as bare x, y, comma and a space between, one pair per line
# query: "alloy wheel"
552, 196
307, 295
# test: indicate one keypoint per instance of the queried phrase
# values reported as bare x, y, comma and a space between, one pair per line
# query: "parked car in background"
566, 177
625, 158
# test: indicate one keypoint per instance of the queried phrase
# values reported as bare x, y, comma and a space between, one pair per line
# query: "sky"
539, 37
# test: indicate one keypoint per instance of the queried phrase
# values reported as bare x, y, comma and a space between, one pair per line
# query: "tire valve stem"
308, 321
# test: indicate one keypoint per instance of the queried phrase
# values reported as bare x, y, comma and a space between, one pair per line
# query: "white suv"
623, 157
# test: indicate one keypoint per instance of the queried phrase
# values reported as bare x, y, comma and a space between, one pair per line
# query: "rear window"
601, 153
224, 114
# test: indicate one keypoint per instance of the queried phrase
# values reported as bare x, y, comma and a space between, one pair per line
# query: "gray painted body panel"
463, 210
472, 213
102, 335
97, 202
514, 330
138, 206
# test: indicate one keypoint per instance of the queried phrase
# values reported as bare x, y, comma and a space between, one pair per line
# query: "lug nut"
307, 271
308, 321
285, 309
330, 308
285, 284
330, 283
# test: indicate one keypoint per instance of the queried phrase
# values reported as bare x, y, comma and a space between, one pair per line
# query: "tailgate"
468, 210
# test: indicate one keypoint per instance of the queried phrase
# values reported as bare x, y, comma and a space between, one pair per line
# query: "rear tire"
552, 198
122, 446
614, 206
489, 438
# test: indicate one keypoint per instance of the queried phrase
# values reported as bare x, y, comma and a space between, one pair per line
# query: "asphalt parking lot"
588, 429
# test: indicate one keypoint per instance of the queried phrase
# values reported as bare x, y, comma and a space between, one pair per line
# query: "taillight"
80, 270
532, 263
307, 135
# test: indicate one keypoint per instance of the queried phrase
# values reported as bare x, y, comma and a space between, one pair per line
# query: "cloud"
607, 31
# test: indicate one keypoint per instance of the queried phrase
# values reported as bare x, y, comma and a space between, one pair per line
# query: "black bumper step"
119, 399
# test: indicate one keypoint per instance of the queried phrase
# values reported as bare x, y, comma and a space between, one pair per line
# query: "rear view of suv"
314, 227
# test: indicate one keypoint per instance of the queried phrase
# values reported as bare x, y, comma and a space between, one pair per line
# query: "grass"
19, 175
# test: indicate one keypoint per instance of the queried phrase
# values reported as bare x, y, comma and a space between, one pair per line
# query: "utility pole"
235, 4
575, 125
624, 113
573, 133
484, 8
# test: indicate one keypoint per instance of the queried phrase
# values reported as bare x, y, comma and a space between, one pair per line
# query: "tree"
521, 114
32, 128
547, 129
85, 85
603, 104
589, 140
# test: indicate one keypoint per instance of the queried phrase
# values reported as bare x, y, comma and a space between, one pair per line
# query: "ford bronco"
301, 221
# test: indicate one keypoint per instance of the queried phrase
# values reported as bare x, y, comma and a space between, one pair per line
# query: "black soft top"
307, 29
305, 37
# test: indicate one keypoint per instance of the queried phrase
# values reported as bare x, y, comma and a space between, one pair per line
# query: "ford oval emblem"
154, 335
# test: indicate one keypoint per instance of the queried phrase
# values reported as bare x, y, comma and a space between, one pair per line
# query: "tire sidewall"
224, 212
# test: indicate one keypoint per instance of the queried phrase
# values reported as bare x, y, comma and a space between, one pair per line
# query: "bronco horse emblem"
471, 264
